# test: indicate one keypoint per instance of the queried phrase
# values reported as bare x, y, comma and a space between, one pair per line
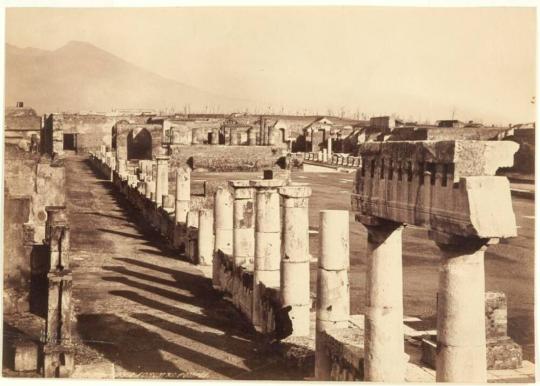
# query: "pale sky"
420, 63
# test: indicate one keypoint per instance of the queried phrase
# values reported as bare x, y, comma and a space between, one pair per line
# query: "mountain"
80, 76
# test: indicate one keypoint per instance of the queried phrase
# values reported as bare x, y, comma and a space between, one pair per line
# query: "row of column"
252, 226
461, 342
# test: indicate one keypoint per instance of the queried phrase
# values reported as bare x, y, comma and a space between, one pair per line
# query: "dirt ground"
140, 307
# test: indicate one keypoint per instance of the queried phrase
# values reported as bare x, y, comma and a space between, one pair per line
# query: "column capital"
162, 157
460, 244
242, 189
266, 184
295, 191
377, 222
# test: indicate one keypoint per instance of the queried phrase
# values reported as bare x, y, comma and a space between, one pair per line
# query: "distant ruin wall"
226, 158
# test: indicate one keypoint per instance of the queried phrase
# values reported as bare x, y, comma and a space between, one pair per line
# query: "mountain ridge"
81, 76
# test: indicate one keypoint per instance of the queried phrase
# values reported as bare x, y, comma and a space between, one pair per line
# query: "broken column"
243, 233
333, 300
294, 281
58, 350
205, 238
223, 228
267, 240
192, 224
243, 222
384, 359
461, 329
162, 178
183, 194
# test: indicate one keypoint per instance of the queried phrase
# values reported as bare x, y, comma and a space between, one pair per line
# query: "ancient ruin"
270, 194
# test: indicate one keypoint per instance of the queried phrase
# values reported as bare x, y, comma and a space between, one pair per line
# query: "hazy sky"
421, 63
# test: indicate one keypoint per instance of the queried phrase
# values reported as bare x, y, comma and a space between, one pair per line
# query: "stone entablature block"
445, 186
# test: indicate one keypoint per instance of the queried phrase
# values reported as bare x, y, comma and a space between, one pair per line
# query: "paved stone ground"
140, 311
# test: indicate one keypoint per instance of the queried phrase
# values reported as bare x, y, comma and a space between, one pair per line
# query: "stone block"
58, 361
25, 356
445, 186
496, 315
504, 354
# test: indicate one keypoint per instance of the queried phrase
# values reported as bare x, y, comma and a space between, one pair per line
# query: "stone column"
215, 136
271, 136
223, 228
162, 178
329, 149
461, 331
205, 239
324, 156
234, 136
183, 194
294, 282
121, 167
333, 300
150, 189
252, 137
243, 222
385, 358
192, 223
267, 240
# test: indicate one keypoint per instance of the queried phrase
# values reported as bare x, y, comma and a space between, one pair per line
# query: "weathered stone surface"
26, 356
470, 158
333, 302
384, 359
295, 256
443, 186
461, 334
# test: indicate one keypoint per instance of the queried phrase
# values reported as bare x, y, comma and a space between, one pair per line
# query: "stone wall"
20, 125
224, 158
31, 183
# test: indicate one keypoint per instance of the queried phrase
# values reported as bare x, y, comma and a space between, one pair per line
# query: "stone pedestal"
461, 330
294, 281
385, 358
183, 194
162, 178
267, 240
333, 300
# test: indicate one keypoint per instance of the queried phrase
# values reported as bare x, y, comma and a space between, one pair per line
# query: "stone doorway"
139, 144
